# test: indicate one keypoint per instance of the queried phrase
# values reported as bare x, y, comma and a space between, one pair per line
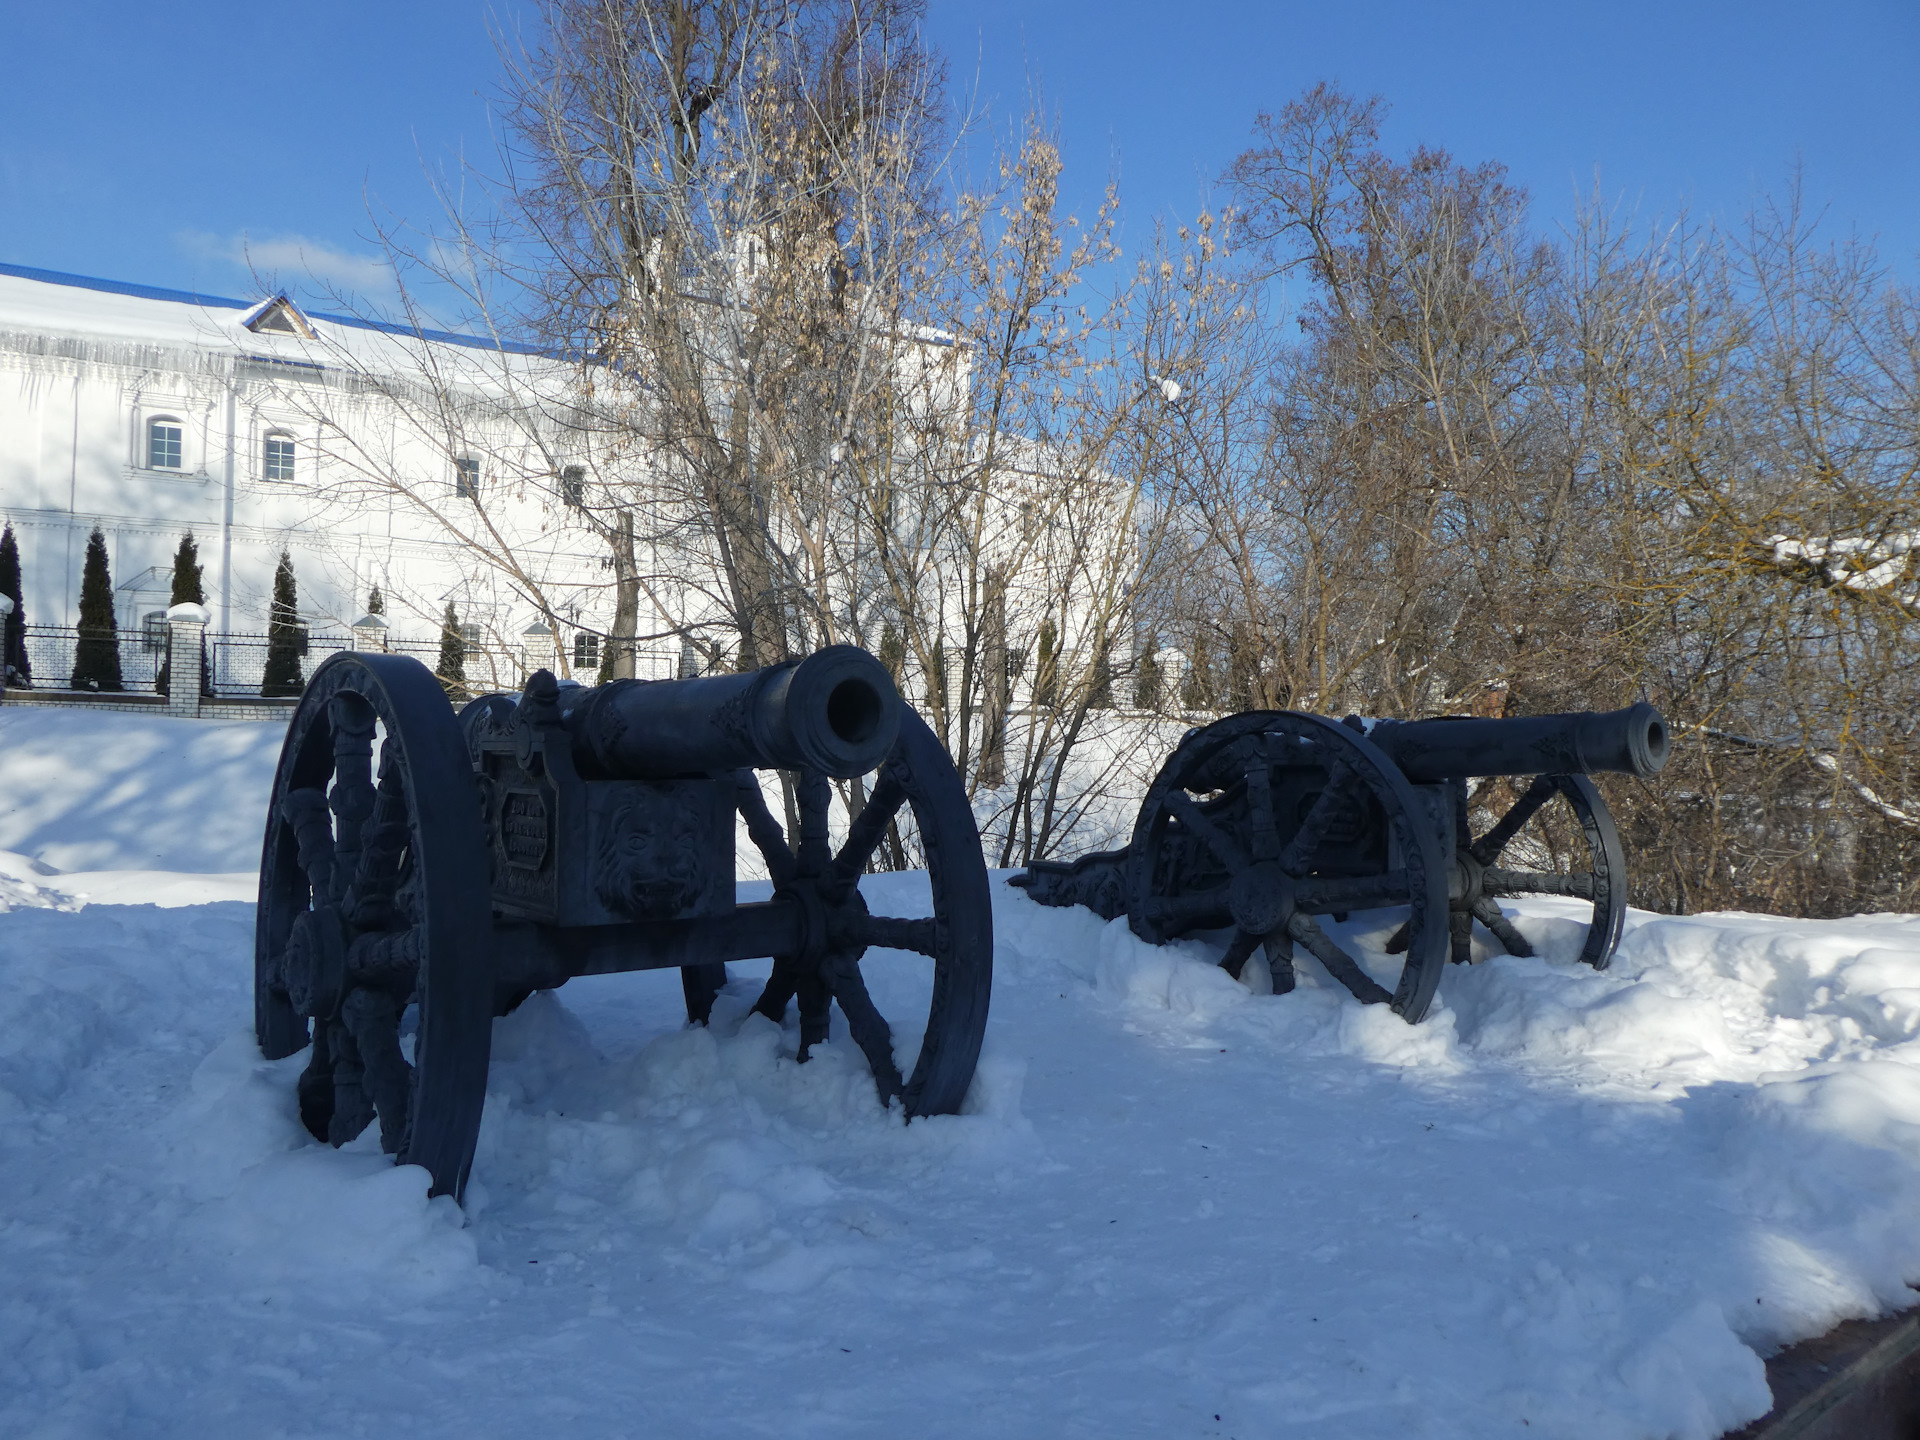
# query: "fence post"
186, 630
6, 609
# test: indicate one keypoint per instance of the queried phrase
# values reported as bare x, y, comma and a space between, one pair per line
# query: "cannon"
1261, 823
406, 902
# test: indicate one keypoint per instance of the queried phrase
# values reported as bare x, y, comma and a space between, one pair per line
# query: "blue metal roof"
118, 287
188, 297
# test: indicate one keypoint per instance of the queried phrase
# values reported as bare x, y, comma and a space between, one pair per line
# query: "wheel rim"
373, 899
958, 938
1261, 822
1599, 876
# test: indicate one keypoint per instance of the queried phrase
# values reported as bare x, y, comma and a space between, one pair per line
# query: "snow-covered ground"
1569, 1204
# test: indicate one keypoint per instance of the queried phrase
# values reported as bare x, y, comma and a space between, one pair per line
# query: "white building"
148, 413
439, 467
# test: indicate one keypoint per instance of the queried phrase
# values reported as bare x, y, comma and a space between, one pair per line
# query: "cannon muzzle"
1633, 741
835, 711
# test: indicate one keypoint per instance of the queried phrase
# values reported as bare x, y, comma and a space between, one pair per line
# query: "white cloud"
287, 260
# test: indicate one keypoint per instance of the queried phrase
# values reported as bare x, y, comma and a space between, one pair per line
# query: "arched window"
277, 463
163, 443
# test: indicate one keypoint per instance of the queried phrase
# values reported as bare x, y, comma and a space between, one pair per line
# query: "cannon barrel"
1634, 741
835, 711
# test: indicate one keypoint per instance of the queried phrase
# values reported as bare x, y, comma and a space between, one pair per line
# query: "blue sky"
170, 145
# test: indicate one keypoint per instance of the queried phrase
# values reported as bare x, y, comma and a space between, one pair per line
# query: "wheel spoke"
306, 811
1225, 848
869, 828
352, 800
1319, 894
1501, 928
864, 1021
1536, 882
1297, 858
352, 1106
1460, 936
815, 996
373, 1018
887, 933
1279, 947
369, 902
816, 794
765, 832
1489, 845
315, 1088
1342, 966
1266, 835
779, 990
1401, 939
1244, 943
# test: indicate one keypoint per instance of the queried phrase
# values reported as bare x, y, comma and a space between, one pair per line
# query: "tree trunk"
626, 600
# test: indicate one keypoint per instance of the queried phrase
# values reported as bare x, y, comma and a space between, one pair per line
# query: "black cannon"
579, 831
1261, 822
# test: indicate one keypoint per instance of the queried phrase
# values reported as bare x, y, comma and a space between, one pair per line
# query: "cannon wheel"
1265, 882
1603, 881
373, 901
958, 939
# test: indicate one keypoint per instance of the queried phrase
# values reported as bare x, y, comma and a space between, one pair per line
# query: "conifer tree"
1147, 679
282, 675
1196, 693
377, 603
188, 588
937, 680
893, 654
1100, 681
13, 652
1046, 668
96, 658
452, 669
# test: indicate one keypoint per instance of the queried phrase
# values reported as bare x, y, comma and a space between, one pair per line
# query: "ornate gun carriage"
581, 831
1262, 822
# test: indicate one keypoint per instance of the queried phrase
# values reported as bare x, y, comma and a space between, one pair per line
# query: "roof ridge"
121, 287
357, 322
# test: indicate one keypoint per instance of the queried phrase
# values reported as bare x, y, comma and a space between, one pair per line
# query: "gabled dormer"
278, 316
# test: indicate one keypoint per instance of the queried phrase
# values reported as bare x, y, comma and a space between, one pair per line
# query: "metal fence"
236, 664
51, 650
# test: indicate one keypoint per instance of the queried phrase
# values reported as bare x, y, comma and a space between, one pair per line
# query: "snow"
1569, 1204
87, 790
1851, 562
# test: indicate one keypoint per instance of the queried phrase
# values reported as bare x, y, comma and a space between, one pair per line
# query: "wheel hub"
316, 963
1465, 884
1261, 897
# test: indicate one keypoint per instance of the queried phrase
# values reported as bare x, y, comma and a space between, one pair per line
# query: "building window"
163, 443
153, 632
573, 486
466, 478
586, 650
279, 456
470, 638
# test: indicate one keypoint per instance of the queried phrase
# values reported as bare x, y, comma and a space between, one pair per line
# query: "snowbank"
87, 790
1570, 1204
